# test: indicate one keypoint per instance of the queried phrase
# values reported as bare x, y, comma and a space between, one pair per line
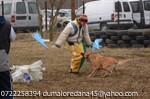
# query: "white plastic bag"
27, 73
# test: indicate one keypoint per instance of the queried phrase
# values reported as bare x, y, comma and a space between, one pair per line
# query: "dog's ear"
87, 53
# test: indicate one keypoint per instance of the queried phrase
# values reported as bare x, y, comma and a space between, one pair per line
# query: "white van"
103, 14
22, 14
141, 12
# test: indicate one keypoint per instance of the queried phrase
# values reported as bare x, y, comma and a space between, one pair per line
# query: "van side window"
7, 8
135, 7
147, 5
32, 8
126, 7
20, 8
118, 7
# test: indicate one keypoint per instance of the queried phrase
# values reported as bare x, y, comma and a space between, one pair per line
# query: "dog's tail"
123, 61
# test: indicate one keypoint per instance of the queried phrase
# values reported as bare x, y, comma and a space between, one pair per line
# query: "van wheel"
103, 27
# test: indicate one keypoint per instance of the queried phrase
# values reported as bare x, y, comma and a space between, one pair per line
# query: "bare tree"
55, 4
73, 4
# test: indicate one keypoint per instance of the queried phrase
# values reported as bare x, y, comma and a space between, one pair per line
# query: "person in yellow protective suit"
74, 33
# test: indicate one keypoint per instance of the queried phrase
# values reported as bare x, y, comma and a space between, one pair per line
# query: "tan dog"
99, 62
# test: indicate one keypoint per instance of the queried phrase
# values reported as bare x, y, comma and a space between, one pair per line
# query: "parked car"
108, 14
22, 14
64, 17
141, 12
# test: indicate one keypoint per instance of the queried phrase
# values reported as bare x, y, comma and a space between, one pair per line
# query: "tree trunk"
53, 22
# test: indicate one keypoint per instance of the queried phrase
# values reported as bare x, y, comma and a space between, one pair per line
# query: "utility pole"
73, 5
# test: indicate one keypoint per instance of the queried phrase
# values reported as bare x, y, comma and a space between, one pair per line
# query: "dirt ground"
133, 76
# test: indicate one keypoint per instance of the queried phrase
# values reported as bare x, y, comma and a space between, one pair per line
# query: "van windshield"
7, 8
147, 5
20, 8
32, 8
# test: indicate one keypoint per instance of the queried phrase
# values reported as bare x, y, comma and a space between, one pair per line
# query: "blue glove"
97, 44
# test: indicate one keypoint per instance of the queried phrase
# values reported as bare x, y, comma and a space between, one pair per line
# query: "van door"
124, 10
135, 5
21, 15
147, 12
33, 16
127, 12
118, 9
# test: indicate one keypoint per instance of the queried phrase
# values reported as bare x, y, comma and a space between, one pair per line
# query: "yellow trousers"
76, 54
